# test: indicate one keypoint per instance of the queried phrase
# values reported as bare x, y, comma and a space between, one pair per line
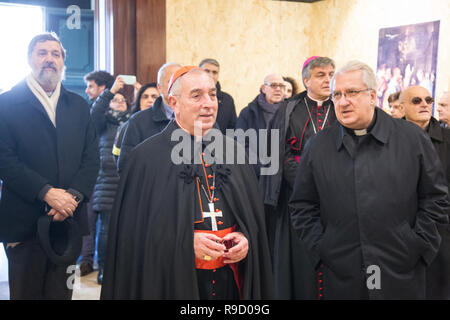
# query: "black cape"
150, 252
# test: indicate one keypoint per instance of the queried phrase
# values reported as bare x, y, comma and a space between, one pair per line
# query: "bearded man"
48, 163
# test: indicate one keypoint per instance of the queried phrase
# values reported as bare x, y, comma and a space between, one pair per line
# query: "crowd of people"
358, 208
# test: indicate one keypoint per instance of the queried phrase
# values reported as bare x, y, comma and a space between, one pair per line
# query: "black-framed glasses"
275, 85
337, 95
418, 100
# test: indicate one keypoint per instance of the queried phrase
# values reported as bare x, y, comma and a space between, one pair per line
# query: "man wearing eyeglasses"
258, 114
298, 119
368, 211
417, 103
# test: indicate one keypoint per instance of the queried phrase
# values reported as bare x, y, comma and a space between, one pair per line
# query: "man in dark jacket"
417, 103
97, 82
226, 115
297, 120
258, 114
368, 211
151, 121
48, 164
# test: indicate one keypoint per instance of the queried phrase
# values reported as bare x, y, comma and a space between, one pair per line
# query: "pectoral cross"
213, 215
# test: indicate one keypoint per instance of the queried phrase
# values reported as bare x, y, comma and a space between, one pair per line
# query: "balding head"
273, 88
164, 74
444, 108
417, 103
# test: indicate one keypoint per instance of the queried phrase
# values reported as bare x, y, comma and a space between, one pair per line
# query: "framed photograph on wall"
407, 56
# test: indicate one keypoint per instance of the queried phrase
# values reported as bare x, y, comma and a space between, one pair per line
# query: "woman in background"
108, 112
145, 97
291, 87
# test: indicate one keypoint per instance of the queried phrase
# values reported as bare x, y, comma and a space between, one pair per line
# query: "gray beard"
48, 79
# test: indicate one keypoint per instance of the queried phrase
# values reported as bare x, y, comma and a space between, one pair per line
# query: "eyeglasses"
418, 100
275, 85
337, 95
119, 100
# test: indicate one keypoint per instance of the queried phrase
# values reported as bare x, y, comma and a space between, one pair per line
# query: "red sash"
217, 263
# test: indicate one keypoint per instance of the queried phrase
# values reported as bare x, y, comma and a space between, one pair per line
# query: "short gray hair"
163, 68
42, 37
368, 76
317, 62
210, 61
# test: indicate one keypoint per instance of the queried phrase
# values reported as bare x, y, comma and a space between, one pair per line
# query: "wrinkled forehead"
48, 46
349, 80
197, 80
416, 92
274, 79
445, 99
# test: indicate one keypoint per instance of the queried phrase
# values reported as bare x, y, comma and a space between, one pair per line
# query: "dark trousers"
32, 276
88, 249
102, 238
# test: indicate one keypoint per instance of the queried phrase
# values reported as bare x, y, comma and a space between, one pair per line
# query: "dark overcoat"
369, 211
142, 125
295, 277
438, 274
33, 153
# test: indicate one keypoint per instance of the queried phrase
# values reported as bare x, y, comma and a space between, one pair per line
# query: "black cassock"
297, 121
150, 252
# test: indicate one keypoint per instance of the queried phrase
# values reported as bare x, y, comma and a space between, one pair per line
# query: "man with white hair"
368, 211
189, 230
151, 121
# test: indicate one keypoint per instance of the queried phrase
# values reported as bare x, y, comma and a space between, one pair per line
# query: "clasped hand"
62, 203
206, 244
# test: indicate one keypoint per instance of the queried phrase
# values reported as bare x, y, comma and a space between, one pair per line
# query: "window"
18, 24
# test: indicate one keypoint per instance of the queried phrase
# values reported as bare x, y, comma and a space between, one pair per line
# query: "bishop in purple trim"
298, 119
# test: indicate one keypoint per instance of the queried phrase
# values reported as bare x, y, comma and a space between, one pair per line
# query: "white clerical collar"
197, 138
319, 102
360, 132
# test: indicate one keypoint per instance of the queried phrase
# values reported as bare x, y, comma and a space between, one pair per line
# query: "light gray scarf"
49, 103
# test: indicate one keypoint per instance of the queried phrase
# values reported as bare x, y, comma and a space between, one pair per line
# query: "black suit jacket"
34, 153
